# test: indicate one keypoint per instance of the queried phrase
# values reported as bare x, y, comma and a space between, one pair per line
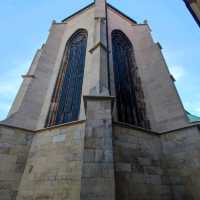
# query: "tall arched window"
129, 95
66, 99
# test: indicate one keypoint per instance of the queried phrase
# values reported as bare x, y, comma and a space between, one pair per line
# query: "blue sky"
25, 25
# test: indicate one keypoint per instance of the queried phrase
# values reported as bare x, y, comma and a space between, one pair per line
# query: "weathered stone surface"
138, 170
97, 180
14, 149
181, 161
53, 169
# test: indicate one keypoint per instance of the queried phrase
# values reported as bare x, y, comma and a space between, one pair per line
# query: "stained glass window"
66, 99
129, 95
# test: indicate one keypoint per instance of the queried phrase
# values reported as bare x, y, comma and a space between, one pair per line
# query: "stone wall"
138, 169
14, 148
147, 165
181, 161
53, 169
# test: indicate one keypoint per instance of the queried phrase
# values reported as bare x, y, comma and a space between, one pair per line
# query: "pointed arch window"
129, 95
66, 99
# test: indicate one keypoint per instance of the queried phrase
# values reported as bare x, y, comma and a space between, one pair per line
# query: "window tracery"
65, 103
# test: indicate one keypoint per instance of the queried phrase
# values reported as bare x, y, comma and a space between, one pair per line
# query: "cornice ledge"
125, 125
43, 129
101, 97
99, 44
15, 127
60, 126
28, 76
197, 125
100, 18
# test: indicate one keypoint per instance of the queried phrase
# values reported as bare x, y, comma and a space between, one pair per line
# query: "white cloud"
177, 71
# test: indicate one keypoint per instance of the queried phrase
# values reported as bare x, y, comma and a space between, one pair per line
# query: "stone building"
98, 117
194, 8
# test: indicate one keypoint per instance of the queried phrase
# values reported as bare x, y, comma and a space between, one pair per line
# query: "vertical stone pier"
100, 50
97, 181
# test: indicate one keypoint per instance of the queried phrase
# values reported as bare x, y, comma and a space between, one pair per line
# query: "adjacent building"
194, 8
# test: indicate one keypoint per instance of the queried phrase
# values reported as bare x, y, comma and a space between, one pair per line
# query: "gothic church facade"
98, 117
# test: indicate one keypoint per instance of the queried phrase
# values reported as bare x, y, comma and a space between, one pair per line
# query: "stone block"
123, 167
108, 154
5, 195
165, 180
153, 170
5, 148
92, 170
144, 161
92, 143
89, 155
59, 138
99, 155
153, 179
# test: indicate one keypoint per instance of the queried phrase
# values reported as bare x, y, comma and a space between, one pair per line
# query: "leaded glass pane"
129, 95
65, 105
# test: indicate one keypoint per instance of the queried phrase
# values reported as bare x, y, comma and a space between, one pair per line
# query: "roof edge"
77, 12
109, 5
121, 13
